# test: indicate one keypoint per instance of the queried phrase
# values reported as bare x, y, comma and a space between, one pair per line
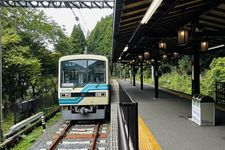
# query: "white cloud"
65, 18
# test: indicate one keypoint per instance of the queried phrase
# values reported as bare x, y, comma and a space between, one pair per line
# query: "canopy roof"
169, 17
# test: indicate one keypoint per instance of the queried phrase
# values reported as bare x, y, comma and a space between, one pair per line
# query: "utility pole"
1, 132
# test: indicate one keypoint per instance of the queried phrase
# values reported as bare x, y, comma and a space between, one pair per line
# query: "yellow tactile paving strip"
146, 139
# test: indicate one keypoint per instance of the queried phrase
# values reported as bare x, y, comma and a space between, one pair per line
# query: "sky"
88, 18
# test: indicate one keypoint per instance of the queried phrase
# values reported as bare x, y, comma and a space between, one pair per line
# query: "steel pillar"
141, 71
156, 77
1, 132
195, 74
195, 60
133, 73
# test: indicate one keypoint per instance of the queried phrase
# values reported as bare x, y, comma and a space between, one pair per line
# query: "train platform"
165, 122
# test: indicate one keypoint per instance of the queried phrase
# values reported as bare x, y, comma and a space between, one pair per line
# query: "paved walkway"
114, 105
167, 118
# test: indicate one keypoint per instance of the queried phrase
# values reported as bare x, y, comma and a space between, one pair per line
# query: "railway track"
72, 136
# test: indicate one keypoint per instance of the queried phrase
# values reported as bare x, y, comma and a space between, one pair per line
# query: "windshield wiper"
97, 84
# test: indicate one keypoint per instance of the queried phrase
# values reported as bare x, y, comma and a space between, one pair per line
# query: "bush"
176, 81
216, 73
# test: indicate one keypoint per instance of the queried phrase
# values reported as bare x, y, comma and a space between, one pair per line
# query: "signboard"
196, 112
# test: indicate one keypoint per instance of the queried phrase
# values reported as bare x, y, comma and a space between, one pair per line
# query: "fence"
24, 109
128, 121
220, 92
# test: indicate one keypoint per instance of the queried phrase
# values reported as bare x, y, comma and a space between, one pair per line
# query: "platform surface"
167, 119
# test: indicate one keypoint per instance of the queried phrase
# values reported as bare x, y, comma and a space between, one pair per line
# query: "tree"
26, 35
100, 40
77, 40
19, 67
64, 46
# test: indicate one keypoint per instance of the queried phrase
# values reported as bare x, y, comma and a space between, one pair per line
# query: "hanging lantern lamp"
162, 45
140, 57
175, 54
182, 37
146, 55
164, 57
204, 45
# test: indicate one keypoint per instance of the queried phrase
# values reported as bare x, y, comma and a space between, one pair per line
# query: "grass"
7, 123
29, 139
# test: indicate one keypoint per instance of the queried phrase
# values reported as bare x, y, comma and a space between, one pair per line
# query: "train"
84, 87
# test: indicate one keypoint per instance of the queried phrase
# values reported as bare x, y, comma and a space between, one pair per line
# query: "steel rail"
60, 137
95, 137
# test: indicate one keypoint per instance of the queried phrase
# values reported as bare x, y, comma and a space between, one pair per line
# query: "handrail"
17, 127
123, 143
128, 120
9, 141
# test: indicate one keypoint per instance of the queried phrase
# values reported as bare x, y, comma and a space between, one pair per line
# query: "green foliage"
185, 65
77, 41
100, 40
147, 71
176, 81
165, 68
27, 142
26, 35
180, 81
7, 123
216, 73
64, 46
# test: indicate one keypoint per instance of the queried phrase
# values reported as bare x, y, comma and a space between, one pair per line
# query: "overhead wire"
84, 22
77, 19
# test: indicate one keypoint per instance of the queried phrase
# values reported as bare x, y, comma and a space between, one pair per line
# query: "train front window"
77, 73
73, 73
96, 71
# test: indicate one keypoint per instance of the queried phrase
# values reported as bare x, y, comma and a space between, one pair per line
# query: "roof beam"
129, 24
128, 19
134, 12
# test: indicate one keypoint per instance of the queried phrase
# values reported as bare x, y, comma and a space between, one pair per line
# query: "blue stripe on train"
87, 88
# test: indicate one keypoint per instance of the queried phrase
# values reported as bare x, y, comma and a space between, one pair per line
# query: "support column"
156, 77
195, 73
141, 71
133, 72
1, 132
124, 74
195, 61
130, 75
152, 71
120, 73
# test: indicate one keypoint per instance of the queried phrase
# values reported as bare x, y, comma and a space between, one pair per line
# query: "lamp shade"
175, 54
146, 55
164, 57
152, 61
131, 62
162, 45
182, 37
204, 45
140, 57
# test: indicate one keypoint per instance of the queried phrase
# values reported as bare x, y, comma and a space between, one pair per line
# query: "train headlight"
65, 94
100, 94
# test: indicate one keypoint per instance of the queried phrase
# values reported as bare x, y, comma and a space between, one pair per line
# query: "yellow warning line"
146, 139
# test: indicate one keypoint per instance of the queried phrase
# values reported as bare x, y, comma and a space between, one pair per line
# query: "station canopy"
133, 35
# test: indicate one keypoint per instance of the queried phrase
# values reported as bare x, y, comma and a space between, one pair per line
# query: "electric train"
83, 88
